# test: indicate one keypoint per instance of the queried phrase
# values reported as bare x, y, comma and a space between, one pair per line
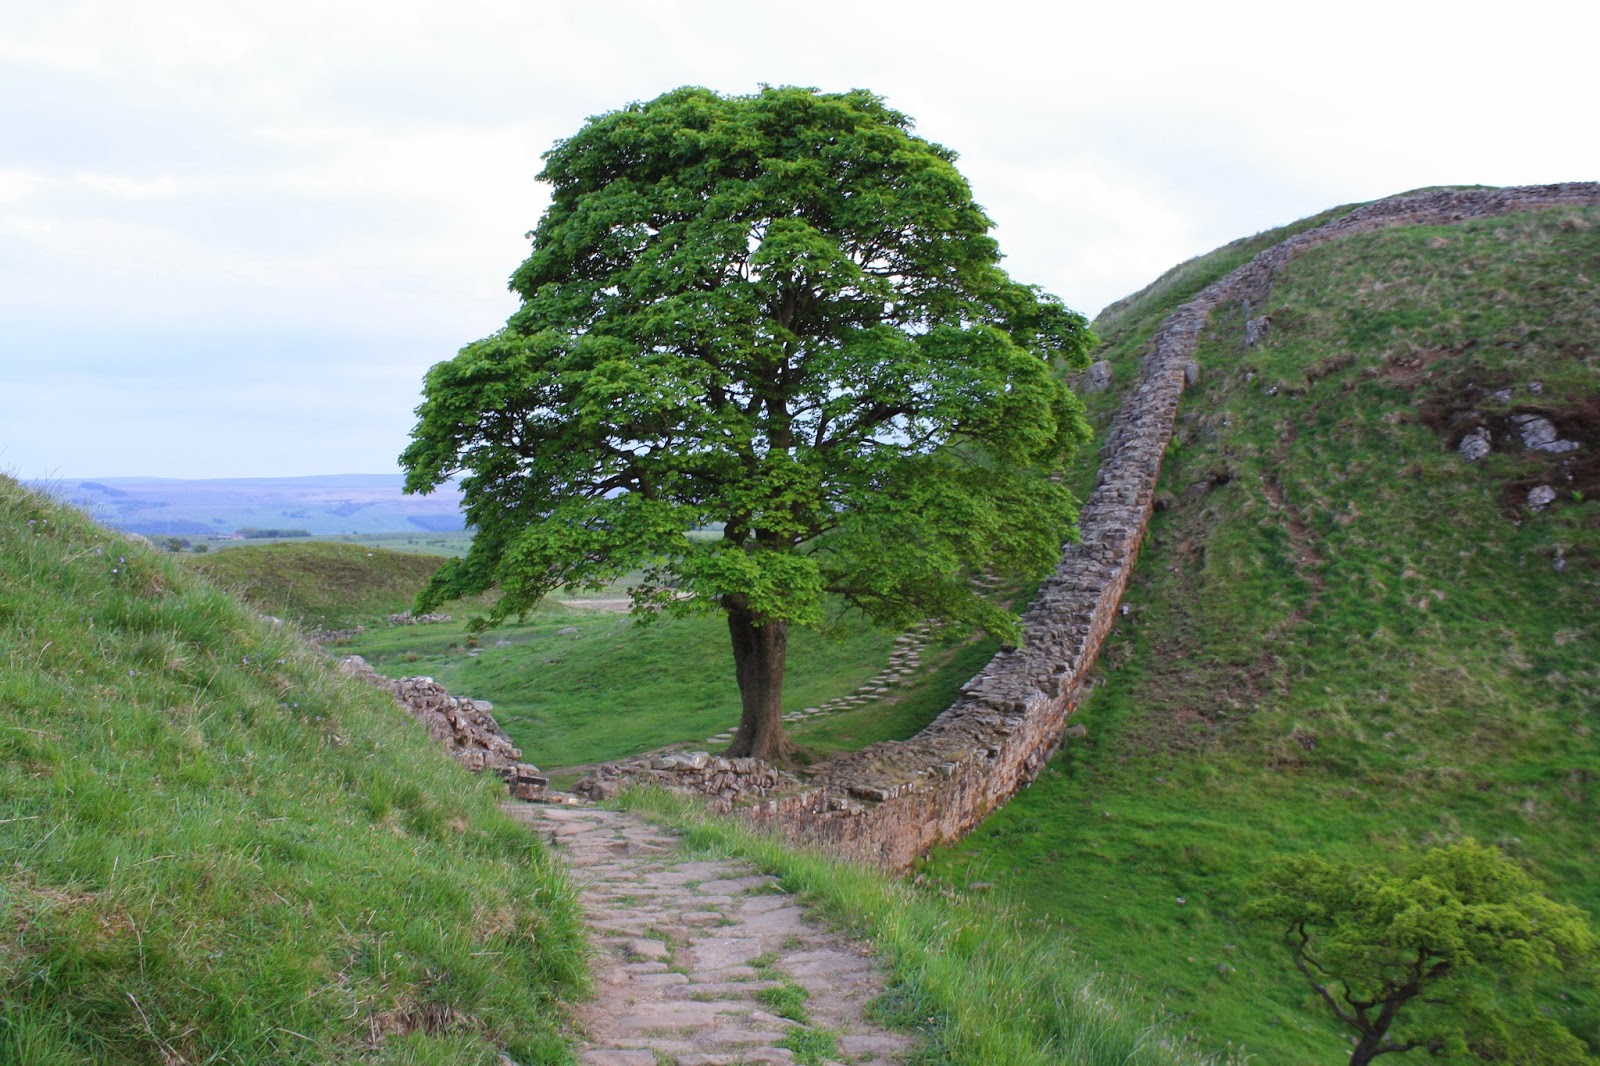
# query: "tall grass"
214, 849
980, 983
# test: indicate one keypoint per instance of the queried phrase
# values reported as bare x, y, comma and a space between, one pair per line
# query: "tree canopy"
1439, 956
780, 316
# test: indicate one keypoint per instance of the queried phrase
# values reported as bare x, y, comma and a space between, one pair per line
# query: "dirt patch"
1499, 419
1414, 368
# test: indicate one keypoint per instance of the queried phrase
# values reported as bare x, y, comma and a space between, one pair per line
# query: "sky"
233, 237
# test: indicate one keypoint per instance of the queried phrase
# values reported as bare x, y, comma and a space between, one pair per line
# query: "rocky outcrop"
464, 726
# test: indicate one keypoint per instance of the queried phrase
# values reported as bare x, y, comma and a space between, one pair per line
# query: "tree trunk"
758, 654
1369, 1047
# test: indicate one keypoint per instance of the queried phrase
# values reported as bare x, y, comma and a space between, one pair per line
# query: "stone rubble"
687, 948
723, 782
464, 726
406, 618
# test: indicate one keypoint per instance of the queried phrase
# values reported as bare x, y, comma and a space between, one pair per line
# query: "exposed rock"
464, 726
1255, 330
1539, 434
1475, 445
1098, 377
1540, 497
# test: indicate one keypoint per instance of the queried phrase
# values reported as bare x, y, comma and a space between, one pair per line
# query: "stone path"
699, 959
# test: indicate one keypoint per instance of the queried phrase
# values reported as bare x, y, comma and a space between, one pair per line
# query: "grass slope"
320, 584
575, 685
214, 849
1342, 637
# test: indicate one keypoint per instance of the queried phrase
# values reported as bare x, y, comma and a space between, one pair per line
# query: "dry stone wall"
725, 782
464, 726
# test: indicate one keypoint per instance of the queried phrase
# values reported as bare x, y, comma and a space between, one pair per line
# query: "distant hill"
329, 504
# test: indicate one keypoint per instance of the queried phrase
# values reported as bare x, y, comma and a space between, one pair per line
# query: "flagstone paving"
700, 958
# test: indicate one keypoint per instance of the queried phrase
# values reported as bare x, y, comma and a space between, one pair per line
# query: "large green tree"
1440, 956
781, 316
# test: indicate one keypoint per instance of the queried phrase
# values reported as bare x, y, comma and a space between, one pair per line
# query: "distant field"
450, 543
580, 684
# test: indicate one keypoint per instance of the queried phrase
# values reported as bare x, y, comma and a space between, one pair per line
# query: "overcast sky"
234, 236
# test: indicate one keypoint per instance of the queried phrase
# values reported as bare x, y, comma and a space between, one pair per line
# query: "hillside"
215, 849
320, 584
1365, 619
323, 505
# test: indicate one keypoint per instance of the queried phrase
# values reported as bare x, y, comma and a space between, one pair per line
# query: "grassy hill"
1343, 636
214, 849
326, 504
320, 584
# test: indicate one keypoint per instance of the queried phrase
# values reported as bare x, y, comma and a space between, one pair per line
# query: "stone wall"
891, 802
724, 782
464, 726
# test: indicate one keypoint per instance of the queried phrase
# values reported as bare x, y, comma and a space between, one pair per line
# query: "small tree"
780, 316
1452, 943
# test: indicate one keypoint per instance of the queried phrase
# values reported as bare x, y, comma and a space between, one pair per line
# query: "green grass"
980, 984
213, 848
320, 584
1389, 659
573, 685
453, 542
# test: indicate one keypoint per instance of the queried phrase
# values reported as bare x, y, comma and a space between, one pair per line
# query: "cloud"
335, 191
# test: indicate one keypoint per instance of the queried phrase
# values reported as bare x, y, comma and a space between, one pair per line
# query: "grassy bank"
214, 849
982, 984
1342, 637
320, 584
